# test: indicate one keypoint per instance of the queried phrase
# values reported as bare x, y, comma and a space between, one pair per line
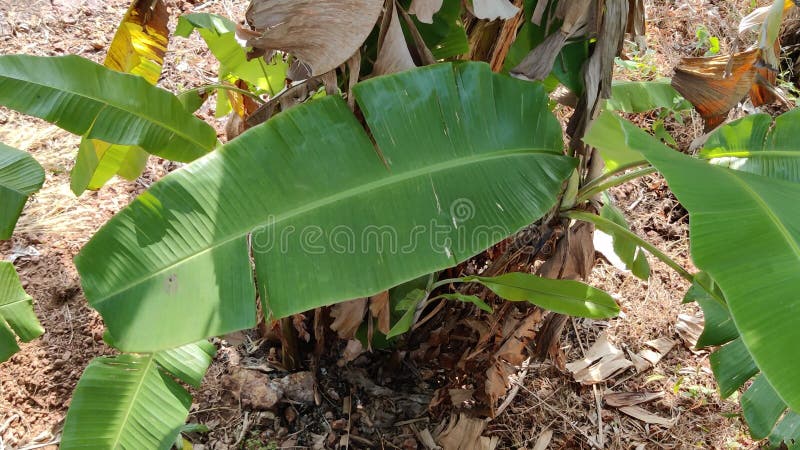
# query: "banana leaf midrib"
106, 104
711, 154
15, 302
331, 199
144, 372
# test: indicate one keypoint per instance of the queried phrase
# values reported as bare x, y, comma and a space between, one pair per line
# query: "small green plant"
706, 42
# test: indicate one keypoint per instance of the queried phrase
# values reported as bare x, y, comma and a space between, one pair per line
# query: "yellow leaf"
141, 41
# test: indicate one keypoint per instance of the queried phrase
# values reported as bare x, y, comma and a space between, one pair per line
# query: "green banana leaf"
644, 96
626, 248
445, 37
132, 401
562, 296
20, 177
752, 144
90, 100
732, 364
465, 158
16, 313
745, 235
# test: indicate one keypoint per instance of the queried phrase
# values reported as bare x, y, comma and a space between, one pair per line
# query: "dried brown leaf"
381, 310
689, 328
543, 441
647, 417
621, 399
321, 33
602, 361
510, 355
574, 256
465, 433
714, 85
348, 317
660, 347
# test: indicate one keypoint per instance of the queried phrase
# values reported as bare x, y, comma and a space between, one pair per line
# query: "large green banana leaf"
132, 402
753, 144
88, 99
16, 313
20, 177
465, 157
745, 234
733, 365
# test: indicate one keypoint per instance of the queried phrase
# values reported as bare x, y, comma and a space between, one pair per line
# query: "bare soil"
36, 384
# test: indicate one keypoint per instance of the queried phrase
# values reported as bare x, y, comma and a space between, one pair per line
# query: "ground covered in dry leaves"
374, 401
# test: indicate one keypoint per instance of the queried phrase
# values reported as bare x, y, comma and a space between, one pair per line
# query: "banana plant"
326, 215
20, 177
744, 236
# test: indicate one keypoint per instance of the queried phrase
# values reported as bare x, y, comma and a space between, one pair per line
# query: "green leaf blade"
16, 313
752, 144
77, 95
745, 234
320, 196
125, 402
762, 407
561, 296
20, 177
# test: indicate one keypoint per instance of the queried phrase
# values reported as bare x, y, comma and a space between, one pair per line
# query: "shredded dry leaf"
602, 361
647, 417
621, 399
714, 85
321, 33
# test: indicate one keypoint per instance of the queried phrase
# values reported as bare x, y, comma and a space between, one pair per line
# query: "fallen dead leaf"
660, 347
543, 440
465, 433
602, 361
510, 355
313, 30
621, 399
380, 309
459, 396
689, 328
647, 417
352, 350
348, 317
